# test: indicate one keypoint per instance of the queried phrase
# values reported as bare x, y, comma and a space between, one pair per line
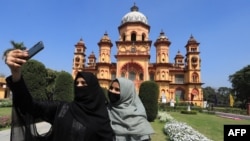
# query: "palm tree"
15, 45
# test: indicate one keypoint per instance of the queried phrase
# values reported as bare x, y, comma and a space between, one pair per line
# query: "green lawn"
5, 111
159, 134
209, 125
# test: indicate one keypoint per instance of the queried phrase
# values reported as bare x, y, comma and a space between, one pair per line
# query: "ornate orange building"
180, 79
4, 91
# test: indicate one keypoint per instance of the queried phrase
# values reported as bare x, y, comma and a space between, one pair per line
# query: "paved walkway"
233, 116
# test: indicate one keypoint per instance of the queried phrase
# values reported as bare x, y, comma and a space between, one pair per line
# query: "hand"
15, 59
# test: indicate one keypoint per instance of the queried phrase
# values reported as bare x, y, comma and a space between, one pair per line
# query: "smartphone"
35, 49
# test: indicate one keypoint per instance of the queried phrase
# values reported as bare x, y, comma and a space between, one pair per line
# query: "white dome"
134, 16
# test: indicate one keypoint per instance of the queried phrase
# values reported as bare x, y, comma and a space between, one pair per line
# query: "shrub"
189, 112
149, 93
5, 121
5, 103
64, 87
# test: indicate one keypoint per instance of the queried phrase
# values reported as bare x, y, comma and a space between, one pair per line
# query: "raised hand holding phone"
35, 49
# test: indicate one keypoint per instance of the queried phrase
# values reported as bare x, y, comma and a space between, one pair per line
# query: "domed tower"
133, 47
193, 69
92, 60
179, 60
104, 63
79, 58
162, 65
162, 57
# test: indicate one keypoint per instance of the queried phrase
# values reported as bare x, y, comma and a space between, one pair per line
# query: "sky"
222, 27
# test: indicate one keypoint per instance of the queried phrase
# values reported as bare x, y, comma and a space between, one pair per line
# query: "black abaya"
84, 119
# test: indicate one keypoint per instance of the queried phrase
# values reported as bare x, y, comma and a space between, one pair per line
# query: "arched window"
179, 94
143, 37
123, 74
179, 79
77, 59
152, 76
113, 75
141, 76
195, 77
123, 37
133, 37
132, 75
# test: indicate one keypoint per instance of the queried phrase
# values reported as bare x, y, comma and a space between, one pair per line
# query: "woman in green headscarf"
127, 113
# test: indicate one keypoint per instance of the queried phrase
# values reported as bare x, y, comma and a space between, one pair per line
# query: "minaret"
162, 57
104, 63
162, 48
193, 60
193, 71
105, 46
179, 60
79, 58
162, 64
92, 60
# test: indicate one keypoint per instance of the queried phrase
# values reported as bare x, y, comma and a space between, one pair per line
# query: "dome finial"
106, 33
134, 8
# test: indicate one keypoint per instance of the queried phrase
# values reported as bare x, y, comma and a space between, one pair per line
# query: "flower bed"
179, 131
5, 121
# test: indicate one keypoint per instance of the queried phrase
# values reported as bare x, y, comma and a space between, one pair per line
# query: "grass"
209, 125
5, 111
159, 134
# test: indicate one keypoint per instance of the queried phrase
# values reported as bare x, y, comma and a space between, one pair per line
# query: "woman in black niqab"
83, 119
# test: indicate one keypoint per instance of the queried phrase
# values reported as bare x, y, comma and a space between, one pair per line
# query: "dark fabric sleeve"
26, 112
23, 101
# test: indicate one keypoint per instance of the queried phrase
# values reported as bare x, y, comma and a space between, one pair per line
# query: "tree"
64, 87
208, 93
149, 94
50, 83
34, 74
15, 45
222, 95
241, 84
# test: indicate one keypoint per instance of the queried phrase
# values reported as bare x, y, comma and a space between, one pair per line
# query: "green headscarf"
128, 115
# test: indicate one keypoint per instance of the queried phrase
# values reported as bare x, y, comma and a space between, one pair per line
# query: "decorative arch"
194, 93
143, 36
102, 73
180, 93
195, 77
163, 57
103, 57
133, 70
133, 36
113, 75
77, 59
163, 75
123, 37
152, 75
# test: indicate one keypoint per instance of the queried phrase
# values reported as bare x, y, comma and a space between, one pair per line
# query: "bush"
5, 103
5, 121
149, 93
64, 87
189, 112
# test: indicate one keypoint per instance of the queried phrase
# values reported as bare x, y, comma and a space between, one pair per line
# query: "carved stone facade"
4, 90
178, 80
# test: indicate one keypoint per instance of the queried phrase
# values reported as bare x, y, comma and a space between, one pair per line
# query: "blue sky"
222, 27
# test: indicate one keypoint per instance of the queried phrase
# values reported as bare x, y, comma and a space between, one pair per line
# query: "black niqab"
89, 108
